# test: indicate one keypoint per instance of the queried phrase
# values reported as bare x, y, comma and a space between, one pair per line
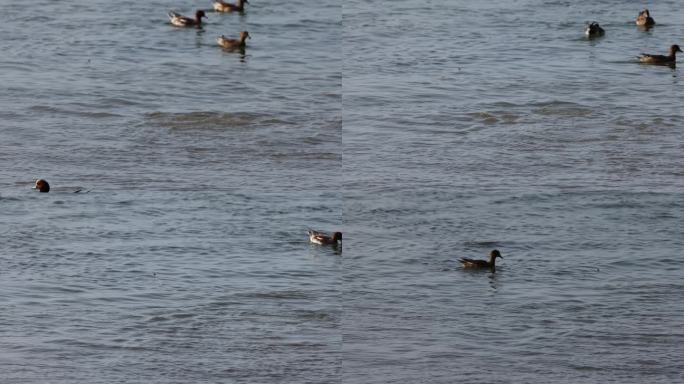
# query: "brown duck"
234, 43
661, 59
481, 264
222, 6
644, 19
42, 186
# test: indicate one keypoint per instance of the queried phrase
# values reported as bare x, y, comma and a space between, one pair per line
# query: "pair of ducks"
644, 19
220, 6
315, 237
323, 239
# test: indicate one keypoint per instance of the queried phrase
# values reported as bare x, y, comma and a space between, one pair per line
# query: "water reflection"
241, 51
493, 281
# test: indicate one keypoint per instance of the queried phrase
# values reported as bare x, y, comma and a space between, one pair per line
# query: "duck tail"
312, 232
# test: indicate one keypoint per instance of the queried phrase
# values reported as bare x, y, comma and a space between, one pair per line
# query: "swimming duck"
42, 186
644, 19
594, 30
183, 21
233, 43
491, 264
221, 6
661, 59
323, 239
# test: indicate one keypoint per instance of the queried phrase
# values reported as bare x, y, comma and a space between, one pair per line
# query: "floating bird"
323, 239
222, 6
594, 30
644, 19
661, 59
42, 186
491, 264
183, 21
233, 43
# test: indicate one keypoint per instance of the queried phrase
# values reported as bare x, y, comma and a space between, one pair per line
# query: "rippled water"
426, 131
470, 126
185, 258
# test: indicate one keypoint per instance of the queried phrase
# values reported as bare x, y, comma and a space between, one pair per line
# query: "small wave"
495, 117
212, 120
562, 108
316, 315
8, 115
60, 111
648, 124
482, 244
277, 295
312, 156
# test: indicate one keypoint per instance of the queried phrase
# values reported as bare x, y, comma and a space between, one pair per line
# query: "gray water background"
426, 131
473, 125
187, 261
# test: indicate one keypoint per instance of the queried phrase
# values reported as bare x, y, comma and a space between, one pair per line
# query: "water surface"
185, 259
470, 126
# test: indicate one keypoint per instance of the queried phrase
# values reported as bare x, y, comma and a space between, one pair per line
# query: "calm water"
425, 131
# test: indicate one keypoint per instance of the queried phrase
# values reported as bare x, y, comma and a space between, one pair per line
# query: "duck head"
337, 236
199, 15
42, 186
593, 29
674, 49
494, 254
244, 35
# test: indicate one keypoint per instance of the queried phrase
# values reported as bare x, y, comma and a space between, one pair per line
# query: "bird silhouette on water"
482, 264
